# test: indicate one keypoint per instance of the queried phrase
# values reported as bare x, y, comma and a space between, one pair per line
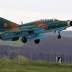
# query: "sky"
30, 10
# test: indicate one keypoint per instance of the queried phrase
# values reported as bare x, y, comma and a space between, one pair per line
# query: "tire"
59, 36
24, 39
37, 41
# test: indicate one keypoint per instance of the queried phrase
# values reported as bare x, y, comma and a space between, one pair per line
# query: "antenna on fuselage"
21, 22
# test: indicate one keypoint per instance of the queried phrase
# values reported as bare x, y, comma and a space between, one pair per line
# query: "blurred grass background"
23, 64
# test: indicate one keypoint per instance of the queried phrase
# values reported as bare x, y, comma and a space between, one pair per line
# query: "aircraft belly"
39, 36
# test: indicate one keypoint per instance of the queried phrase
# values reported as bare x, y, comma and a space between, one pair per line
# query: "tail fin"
6, 25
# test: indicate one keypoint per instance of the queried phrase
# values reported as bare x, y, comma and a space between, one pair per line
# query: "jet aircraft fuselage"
33, 30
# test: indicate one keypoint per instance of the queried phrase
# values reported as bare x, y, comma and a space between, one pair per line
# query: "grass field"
24, 65
12, 43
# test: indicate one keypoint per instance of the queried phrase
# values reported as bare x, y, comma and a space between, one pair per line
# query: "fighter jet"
35, 30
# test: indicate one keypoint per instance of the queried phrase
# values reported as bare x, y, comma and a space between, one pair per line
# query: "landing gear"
24, 39
37, 41
59, 36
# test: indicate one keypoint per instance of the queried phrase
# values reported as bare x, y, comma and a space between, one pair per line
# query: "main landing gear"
24, 40
37, 41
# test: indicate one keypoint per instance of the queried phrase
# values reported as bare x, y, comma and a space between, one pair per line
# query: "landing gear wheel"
59, 36
24, 39
37, 41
